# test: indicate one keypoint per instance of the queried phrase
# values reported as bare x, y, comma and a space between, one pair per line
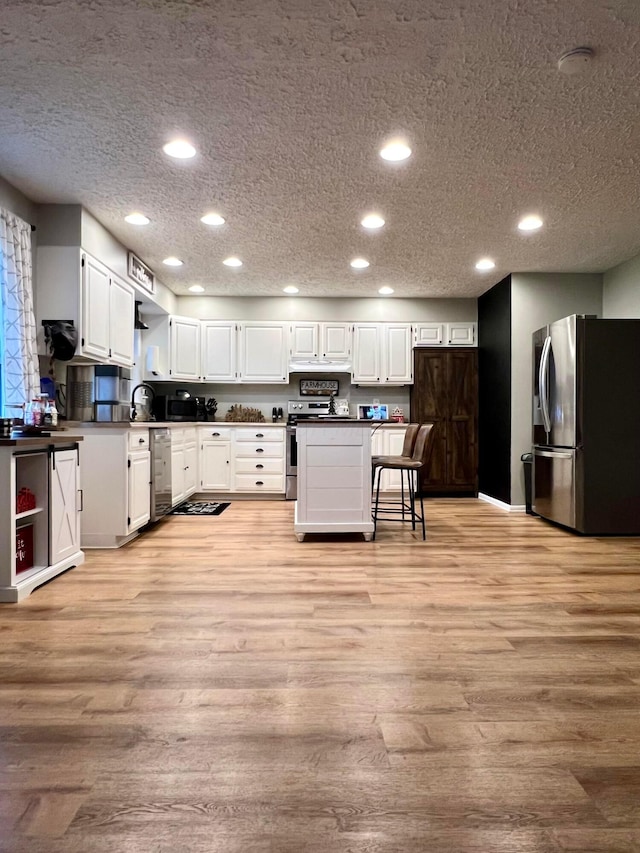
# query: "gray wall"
621, 290
13, 200
538, 299
374, 309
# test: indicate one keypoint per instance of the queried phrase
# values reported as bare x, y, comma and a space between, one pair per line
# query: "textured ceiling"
288, 101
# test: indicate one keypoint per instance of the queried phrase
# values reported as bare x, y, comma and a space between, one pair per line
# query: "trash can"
527, 459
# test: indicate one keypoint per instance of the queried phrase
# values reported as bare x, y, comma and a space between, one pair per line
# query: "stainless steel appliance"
586, 424
79, 393
175, 408
111, 392
160, 445
299, 410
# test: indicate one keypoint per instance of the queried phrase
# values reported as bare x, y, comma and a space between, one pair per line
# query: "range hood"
319, 365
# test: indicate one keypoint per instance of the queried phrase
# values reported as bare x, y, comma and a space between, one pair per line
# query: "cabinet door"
64, 524
95, 309
177, 474
461, 438
265, 352
219, 348
398, 353
185, 348
190, 469
335, 340
215, 466
393, 441
366, 352
461, 334
138, 489
304, 340
121, 322
429, 404
430, 335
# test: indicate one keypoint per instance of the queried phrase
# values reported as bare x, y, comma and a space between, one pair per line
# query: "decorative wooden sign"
318, 387
141, 273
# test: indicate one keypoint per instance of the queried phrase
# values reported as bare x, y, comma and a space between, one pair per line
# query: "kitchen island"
334, 478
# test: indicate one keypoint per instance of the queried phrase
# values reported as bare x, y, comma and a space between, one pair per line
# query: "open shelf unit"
32, 471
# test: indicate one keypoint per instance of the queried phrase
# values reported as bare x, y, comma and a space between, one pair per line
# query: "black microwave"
167, 408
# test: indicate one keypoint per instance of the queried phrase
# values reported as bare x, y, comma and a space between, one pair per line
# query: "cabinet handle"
215, 433
259, 483
260, 465
141, 441
259, 450
81, 493
259, 435
186, 467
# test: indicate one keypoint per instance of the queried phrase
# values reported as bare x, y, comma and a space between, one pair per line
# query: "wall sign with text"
141, 273
318, 387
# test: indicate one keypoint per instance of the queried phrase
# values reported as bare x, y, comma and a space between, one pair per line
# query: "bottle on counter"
50, 414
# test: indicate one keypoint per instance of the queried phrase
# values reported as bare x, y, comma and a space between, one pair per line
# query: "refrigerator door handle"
554, 454
544, 389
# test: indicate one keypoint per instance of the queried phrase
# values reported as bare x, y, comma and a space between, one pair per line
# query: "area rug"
200, 508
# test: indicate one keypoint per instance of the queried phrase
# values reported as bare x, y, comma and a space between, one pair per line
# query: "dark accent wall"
494, 421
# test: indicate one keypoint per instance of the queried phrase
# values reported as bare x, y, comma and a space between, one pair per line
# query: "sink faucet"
134, 413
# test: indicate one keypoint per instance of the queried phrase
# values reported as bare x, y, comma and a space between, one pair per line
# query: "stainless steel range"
298, 410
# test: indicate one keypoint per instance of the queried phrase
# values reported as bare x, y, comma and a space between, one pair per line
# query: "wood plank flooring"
218, 686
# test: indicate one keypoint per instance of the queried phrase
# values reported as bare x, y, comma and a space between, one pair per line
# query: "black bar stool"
397, 510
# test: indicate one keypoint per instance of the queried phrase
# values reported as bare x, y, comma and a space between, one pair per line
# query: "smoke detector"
575, 61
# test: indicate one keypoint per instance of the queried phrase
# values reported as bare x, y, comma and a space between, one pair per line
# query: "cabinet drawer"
138, 439
260, 449
259, 483
214, 433
259, 466
258, 434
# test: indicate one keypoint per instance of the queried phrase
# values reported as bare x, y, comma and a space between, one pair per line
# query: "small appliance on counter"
79, 393
373, 412
175, 408
111, 391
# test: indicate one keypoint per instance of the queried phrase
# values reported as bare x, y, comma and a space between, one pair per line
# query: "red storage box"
24, 548
25, 500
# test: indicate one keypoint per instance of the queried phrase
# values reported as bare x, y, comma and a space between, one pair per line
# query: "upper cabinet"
320, 340
382, 353
335, 340
73, 285
264, 352
305, 340
185, 349
219, 351
459, 334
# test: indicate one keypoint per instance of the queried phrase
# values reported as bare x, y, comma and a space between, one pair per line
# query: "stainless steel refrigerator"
586, 424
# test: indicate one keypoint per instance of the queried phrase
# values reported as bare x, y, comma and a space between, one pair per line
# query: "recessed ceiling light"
136, 219
372, 220
212, 219
395, 151
180, 149
359, 263
290, 288
172, 262
232, 262
386, 291
485, 264
530, 223
196, 288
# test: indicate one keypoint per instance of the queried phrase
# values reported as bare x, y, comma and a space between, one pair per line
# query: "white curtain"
20, 371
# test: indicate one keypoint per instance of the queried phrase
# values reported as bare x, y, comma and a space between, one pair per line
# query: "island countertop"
39, 440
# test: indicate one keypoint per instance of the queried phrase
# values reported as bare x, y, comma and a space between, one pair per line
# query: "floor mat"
200, 508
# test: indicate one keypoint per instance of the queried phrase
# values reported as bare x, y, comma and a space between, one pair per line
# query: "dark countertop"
39, 440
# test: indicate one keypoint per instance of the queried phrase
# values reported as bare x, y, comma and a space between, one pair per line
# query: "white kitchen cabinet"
259, 459
388, 441
108, 305
48, 532
185, 349
367, 353
117, 494
184, 464
219, 351
122, 306
305, 340
264, 352
461, 334
138, 489
429, 335
335, 341
382, 353
215, 459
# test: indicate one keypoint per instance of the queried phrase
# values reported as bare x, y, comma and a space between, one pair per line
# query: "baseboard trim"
501, 504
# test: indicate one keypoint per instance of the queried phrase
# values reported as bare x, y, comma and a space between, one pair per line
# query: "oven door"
291, 469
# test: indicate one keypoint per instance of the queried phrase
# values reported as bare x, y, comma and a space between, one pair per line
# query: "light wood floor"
218, 686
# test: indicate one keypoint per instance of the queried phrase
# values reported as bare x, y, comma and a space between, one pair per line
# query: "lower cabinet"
39, 516
244, 459
388, 441
215, 465
184, 464
138, 482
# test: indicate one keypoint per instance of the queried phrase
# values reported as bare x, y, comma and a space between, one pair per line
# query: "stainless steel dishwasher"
160, 442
